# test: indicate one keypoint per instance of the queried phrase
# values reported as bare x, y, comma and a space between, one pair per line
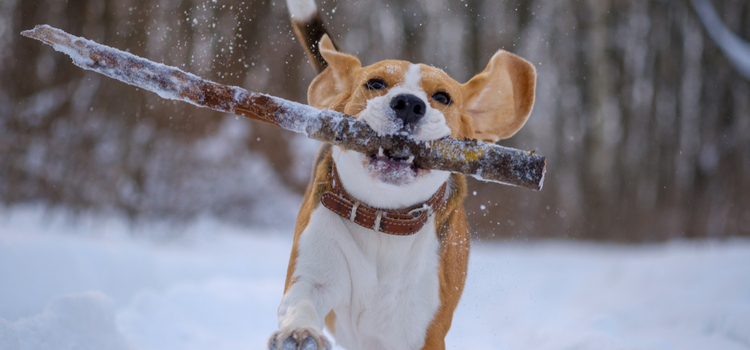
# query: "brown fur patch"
331, 322
454, 236
319, 185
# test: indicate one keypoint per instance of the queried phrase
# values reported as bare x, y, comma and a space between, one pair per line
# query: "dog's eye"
375, 84
442, 97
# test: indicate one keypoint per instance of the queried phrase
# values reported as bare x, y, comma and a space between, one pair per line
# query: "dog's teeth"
380, 152
410, 160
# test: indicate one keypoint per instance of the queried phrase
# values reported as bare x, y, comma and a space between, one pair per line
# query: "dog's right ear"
334, 84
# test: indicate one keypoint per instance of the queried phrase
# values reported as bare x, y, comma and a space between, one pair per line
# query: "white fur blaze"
412, 78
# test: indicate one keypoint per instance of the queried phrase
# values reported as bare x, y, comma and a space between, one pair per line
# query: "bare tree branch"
485, 161
736, 49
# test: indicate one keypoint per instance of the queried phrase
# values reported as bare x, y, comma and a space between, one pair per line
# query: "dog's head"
400, 97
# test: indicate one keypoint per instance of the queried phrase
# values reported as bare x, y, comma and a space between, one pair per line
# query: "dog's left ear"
499, 100
337, 79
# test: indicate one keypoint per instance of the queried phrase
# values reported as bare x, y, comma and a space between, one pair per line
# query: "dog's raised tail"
308, 25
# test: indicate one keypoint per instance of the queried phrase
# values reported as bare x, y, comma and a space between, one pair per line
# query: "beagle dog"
381, 246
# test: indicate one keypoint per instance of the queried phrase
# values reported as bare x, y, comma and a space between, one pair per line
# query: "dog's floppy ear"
335, 80
499, 100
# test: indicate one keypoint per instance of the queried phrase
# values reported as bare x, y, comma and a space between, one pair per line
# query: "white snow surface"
98, 283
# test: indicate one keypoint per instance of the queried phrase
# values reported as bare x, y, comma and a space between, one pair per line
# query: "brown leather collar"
400, 222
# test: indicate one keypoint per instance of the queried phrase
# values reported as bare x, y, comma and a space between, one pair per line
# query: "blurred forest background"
645, 123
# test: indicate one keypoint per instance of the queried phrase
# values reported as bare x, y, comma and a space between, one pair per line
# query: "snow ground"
98, 283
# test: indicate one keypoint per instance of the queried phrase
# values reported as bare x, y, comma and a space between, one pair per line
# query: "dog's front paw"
303, 338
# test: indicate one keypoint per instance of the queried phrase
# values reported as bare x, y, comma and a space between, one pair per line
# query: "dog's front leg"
301, 315
318, 280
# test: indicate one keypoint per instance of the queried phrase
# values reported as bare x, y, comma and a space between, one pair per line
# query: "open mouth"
392, 169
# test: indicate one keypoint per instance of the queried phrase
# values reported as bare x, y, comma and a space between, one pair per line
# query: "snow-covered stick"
485, 161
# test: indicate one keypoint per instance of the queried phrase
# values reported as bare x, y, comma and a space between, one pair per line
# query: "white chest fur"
395, 294
384, 289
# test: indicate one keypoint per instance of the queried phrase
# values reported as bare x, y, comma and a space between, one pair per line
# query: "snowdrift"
97, 283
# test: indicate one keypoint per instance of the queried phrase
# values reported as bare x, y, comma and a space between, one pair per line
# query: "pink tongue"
391, 172
389, 165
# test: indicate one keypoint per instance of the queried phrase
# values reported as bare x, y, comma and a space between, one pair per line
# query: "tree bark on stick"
485, 161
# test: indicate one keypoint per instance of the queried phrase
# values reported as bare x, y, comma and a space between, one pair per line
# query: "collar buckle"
418, 211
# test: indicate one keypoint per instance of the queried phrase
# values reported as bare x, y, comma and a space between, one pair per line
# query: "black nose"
408, 108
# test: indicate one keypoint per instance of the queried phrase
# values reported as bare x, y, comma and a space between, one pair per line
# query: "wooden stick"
485, 161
